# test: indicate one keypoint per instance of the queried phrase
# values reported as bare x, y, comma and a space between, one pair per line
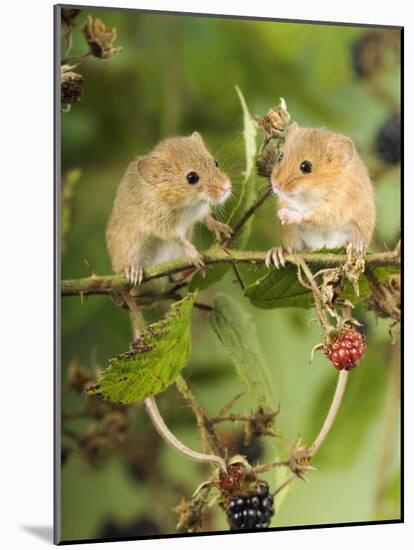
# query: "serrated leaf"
245, 198
237, 332
154, 362
281, 288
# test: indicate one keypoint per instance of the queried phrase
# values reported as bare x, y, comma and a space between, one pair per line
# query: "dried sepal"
100, 38
275, 121
299, 459
71, 86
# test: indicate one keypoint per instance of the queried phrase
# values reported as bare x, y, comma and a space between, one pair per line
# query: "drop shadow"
44, 532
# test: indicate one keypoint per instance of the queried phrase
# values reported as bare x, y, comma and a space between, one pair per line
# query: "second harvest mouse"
325, 194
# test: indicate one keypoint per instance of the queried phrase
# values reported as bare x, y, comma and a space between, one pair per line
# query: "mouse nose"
275, 185
226, 186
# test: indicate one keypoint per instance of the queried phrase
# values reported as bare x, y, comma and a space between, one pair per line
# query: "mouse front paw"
134, 274
193, 255
218, 228
276, 256
357, 248
287, 216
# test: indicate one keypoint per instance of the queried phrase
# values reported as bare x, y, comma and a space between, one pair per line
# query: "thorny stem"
115, 283
207, 433
172, 441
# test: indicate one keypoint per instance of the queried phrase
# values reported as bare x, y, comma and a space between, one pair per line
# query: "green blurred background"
176, 74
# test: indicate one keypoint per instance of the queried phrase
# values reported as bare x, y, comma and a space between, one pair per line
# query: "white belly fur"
314, 238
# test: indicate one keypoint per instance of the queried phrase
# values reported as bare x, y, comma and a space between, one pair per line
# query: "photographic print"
228, 251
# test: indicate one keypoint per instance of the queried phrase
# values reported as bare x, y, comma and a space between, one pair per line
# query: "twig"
208, 436
75, 57
111, 284
333, 409
172, 441
248, 214
239, 277
316, 296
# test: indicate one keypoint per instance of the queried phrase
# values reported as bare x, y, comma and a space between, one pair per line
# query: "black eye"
280, 157
216, 163
306, 167
192, 177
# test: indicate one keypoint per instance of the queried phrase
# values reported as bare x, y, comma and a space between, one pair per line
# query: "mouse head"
183, 172
312, 158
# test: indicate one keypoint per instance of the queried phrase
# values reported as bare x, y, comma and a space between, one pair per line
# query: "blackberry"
388, 141
367, 55
252, 511
347, 350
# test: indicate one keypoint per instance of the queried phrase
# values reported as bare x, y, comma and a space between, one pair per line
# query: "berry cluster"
346, 351
253, 511
388, 141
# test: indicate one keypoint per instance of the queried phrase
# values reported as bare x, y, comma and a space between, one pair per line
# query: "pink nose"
275, 184
226, 187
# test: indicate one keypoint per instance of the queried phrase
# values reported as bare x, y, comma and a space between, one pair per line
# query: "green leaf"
237, 332
281, 288
245, 198
153, 362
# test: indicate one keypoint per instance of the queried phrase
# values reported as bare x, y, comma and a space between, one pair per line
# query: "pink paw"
288, 216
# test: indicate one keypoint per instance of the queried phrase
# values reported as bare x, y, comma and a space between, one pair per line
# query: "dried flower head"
71, 85
100, 38
69, 16
275, 121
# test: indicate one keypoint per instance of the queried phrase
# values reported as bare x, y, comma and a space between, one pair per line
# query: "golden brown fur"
155, 206
331, 206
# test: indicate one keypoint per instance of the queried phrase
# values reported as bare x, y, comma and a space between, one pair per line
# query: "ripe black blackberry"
388, 141
252, 511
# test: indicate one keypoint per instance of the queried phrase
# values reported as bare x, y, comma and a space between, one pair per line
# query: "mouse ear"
341, 149
150, 167
197, 137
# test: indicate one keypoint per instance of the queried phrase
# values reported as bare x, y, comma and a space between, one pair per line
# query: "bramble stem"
172, 441
333, 410
111, 284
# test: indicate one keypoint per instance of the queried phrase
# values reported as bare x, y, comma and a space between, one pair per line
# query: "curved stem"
172, 441
333, 409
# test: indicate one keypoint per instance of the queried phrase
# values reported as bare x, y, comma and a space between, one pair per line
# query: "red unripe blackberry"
346, 350
233, 479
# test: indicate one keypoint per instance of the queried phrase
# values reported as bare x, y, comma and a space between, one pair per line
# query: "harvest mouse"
161, 196
325, 195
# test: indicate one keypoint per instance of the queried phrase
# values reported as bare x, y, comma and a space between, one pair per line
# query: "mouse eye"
281, 155
216, 163
306, 167
192, 178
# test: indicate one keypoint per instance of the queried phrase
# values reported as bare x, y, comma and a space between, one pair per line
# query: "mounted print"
228, 256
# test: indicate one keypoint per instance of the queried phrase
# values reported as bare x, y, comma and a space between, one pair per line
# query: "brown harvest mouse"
325, 195
161, 196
